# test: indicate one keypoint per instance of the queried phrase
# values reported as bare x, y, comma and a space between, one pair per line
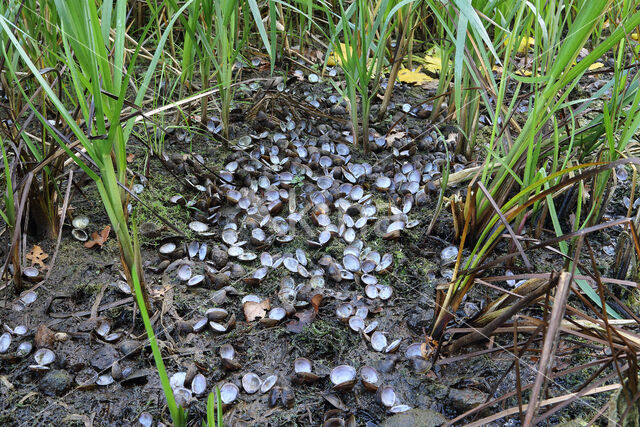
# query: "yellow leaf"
335, 59
414, 77
525, 73
525, 43
635, 36
432, 61
596, 66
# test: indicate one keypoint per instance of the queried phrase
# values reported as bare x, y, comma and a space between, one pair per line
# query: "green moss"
325, 340
155, 198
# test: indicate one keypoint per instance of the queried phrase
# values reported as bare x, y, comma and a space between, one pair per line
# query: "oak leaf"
98, 238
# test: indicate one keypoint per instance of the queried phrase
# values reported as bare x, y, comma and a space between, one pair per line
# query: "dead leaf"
6, 383
414, 77
315, 302
37, 256
391, 138
334, 59
305, 319
525, 43
256, 310
596, 66
432, 62
45, 337
98, 239
130, 157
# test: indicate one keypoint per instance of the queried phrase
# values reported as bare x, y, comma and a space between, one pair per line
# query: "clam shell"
393, 346
383, 183
399, 408
44, 357
199, 384
277, 313
362, 311
449, 254
266, 259
177, 379
200, 324
30, 272
370, 378
167, 248
369, 279
79, 234
196, 280
5, 342
228, 393
235, 251
80, 222
344, 311
351, 262
28, 297
227, 351
384, 292
229, 236
105, 380
268, 383
378, 341
302, 364
414, 350
251, 383
184, 272
217, 327
343, 377
356, 323
386, 396
193, 249
145, 419
198, 227
217, 314
371, 291
183, 396
291, 264
371, 327
24, 349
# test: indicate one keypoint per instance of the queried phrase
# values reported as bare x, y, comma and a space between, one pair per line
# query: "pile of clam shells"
291, 198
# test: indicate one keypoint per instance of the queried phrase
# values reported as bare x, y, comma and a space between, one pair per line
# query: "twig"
550, 342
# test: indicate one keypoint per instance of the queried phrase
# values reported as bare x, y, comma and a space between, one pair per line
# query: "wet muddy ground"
88, 321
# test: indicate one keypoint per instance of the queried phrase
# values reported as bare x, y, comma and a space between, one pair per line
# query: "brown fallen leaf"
305, 319
391, 138
315, 302
45, 337
256, 310
98, 239
130, 157
37, 256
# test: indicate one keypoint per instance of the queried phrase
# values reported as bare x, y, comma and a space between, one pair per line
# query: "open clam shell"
80, 222
44, 357
356, 323
378, 341
386, 395
370, 378
199, 384
79, 234
343, 377
5, 342
229, 393
251, 383
344, 312
268, 383
302, 368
